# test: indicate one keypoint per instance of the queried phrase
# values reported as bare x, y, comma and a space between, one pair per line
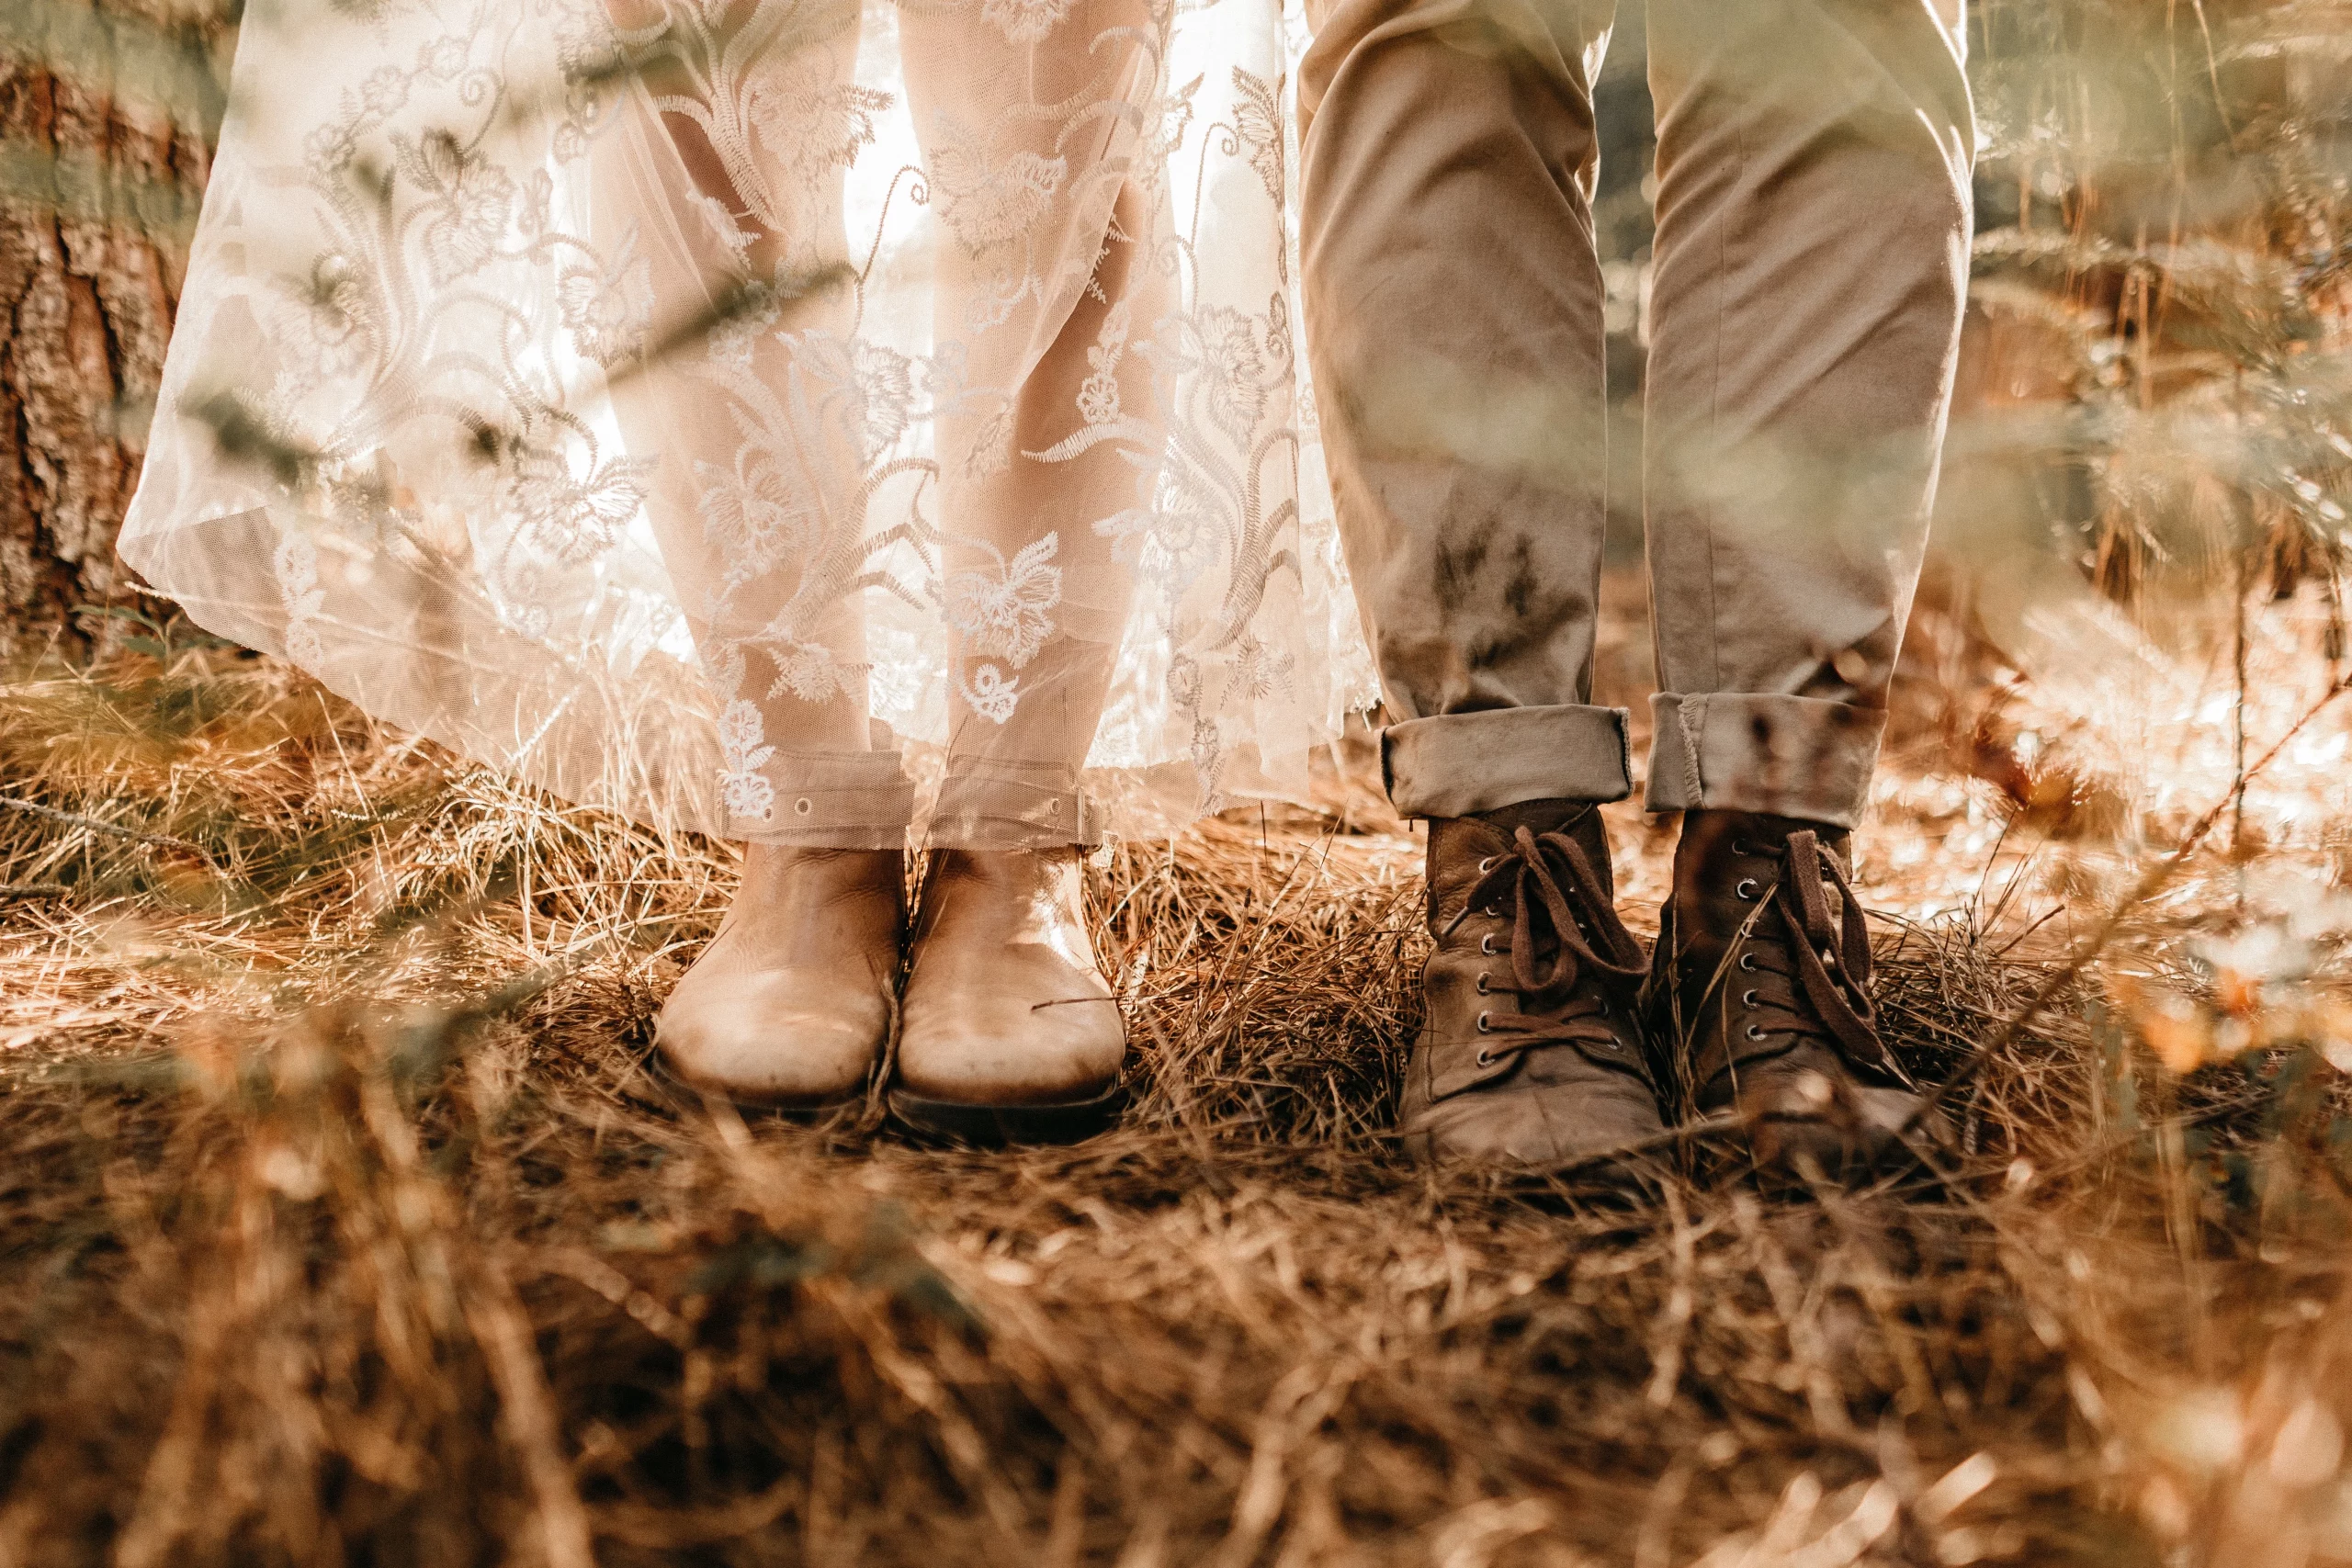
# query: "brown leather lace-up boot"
1530, 1053
1760, 988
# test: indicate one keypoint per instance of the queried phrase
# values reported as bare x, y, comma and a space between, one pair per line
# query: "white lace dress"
795, 419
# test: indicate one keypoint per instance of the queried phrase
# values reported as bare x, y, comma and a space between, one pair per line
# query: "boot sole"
1798, 1154
993, 1126
687, 1095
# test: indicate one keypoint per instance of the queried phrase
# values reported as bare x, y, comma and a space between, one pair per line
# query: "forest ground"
340, 1221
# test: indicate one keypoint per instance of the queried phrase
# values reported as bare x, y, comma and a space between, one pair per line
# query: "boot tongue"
1535, 816
1773, 833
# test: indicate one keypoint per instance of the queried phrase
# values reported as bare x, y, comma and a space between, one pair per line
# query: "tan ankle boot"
790, 1004
1009, 1032
1530, 1054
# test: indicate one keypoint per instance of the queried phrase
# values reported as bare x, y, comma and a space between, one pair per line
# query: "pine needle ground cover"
341, 1223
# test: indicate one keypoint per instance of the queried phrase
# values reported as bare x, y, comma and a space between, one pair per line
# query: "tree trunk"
106, 117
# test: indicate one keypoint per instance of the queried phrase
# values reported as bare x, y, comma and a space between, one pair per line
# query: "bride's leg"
1009, 1029
748, 497
790, 1003
1036, 599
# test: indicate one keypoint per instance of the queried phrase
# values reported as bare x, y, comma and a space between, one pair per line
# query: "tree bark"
107, 117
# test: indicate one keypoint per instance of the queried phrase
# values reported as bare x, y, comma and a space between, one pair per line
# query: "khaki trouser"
1812, 253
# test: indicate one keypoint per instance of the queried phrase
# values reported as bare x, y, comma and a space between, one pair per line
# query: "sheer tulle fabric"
787, 418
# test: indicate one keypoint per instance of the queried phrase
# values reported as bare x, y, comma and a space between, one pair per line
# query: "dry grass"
340, 1223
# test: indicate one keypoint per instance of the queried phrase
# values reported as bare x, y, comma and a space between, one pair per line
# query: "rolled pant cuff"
989, 803
835, 800
1458, 764
1802, 757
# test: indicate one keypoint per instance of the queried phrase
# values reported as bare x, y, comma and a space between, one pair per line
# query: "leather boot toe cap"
1518, 1124
963, 1044
775, 1037
1805, 1123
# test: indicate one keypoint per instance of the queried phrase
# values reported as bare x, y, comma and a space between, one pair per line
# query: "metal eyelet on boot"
1482, 983
1493, 911
1747, 963
1747, 889
1484, 1027
1487, 944
1754, 1033
1484, 1060
1748, 1000
1485, 865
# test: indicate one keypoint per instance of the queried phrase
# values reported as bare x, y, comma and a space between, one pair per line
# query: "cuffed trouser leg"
1454, 764
1813, 158
1804, 757
835, 800
1453, 303
1812, 253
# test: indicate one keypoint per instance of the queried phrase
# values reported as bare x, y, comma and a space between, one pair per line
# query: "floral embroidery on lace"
809, 123
653, 404
991, 695
575, 519
1025, 21
607, 309
297, 564
742, 743
1003, 613
1257, 127
989, 203
1098, 395
471, 200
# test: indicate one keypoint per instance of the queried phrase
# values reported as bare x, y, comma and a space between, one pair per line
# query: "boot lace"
1810, 978
1562, 977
